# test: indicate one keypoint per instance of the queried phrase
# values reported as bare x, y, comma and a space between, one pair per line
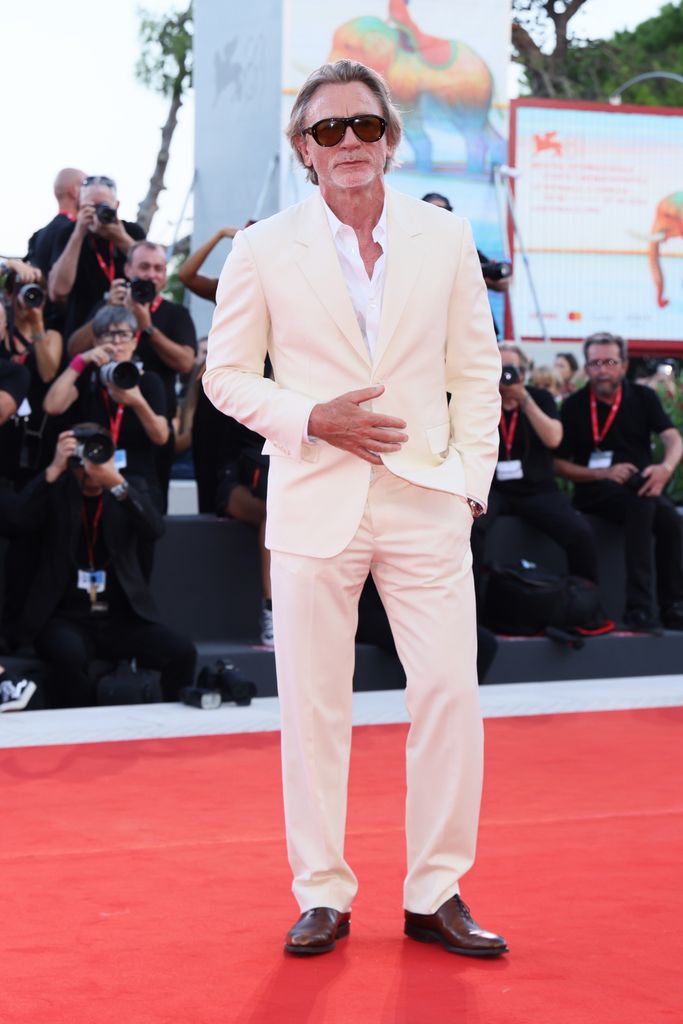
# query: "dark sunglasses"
331, 130
99, 179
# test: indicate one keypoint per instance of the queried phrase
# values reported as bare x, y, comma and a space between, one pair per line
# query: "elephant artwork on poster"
432, 80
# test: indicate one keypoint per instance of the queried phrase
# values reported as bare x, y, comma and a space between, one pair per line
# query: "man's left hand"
656, 479
141, 313
514, 391
125, 396
105, 474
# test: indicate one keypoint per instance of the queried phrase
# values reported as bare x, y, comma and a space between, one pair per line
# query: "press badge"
600, 460
120, 459
93, 582
510, 469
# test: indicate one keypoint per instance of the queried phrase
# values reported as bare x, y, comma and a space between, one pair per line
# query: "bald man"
67, 189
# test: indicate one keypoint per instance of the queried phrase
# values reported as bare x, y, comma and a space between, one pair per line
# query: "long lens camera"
142, 291
510, 375
96, 444
123, 375
495, 271
106, 214
32, 295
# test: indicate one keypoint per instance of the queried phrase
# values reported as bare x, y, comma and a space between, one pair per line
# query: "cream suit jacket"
282, 291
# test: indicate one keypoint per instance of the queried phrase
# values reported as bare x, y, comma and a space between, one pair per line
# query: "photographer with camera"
167, 338
90, 253
105, 386
24, 340
89, 598
524, 482
607, 453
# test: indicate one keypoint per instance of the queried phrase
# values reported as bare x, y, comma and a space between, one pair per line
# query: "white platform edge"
378, 707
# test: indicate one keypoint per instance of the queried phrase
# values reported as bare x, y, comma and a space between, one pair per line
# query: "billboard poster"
599, 203
446, 64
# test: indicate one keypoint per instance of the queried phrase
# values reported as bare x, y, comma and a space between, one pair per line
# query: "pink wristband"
78, 364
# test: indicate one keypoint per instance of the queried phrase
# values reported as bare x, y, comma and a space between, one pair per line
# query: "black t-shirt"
42, 243
629, 438
29, 444
76, 603
91, 407
536, 458
91, 281
175, 322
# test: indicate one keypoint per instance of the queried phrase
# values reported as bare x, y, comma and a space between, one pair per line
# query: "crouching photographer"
105, 386
89, 598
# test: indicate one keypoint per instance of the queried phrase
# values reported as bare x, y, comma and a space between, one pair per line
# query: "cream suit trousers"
416, 541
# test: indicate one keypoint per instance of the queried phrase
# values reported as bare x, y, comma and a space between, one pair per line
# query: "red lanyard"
508, 432
108, 269
114, 421
91, 538
155, 305
69, 214
599, 435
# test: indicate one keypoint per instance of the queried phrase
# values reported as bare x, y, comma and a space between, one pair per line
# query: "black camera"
226, 679
122, 375
95, 444
31, 294
142, 291
106, 214
496, 271
636, 481
198, 697
510, 375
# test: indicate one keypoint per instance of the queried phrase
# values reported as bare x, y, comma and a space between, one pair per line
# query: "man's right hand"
118, 292
86, 219
343, 424
99, 355
66, 446
619, 473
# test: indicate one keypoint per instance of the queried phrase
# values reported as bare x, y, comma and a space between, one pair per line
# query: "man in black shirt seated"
89, 598
167, 338
89, 254
524, 483
606, 452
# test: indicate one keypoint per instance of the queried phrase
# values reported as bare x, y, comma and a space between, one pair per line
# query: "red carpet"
146, 882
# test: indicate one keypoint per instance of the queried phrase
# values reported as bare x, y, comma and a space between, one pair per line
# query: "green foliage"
175, 289
560, 64
165, 63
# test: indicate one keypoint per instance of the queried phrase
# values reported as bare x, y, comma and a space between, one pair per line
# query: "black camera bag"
129, 685
524, 599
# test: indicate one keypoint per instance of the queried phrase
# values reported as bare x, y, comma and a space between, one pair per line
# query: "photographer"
89, 253
524, 483
90, 599
134, 412
67, 190
24, 340
607, 453
167, 338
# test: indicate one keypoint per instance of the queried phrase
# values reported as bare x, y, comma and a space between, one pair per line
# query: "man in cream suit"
372, 307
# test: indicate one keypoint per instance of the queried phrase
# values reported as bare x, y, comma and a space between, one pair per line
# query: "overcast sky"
70, 98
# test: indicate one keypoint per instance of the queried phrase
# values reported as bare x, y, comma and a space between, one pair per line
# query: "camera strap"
599, 435
158, 299
108, 269
508, 431
115, 420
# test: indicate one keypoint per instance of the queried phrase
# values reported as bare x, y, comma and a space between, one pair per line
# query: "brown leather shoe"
453, 926
317, 931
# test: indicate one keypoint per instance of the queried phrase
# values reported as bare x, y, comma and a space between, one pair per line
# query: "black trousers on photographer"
69, 645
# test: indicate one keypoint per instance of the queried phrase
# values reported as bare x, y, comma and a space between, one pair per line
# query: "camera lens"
142, 291
106, 214
123, 375
98, 449
32, 295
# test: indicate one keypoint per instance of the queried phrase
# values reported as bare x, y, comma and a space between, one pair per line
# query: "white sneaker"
15, 696
266, 623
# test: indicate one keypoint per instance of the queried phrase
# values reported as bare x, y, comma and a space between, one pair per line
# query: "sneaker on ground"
15, 696
266, 623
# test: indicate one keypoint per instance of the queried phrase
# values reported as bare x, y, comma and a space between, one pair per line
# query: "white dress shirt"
366, 293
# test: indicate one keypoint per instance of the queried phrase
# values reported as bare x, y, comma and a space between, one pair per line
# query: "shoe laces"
464, 908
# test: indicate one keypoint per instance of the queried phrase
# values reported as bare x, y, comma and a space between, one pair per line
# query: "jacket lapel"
317, 259
405, 245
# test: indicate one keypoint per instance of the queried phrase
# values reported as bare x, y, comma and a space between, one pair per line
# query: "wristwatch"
120, 491
475, 508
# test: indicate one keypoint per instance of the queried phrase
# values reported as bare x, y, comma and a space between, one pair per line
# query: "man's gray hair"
605, 338
144, 243
507, 346
342, 72
113, 316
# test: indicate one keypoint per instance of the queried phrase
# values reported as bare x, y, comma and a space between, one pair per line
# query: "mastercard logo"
574, 316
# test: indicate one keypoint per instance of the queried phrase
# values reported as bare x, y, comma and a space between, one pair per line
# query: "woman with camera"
27, 441
105, 386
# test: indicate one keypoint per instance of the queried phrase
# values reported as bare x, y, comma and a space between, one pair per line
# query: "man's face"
605, 367
120, 342
352, 163
94, 194
149, 264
